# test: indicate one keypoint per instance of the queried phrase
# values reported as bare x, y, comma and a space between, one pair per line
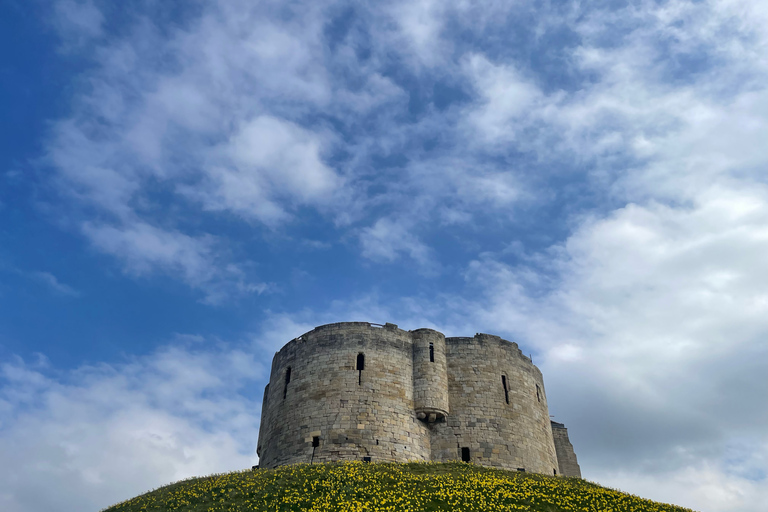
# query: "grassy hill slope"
355, 486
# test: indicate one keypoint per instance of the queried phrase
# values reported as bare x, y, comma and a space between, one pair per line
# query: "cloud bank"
104, 433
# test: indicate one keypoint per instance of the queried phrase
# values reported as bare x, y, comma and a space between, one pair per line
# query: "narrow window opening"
431, 352
553, 469
538, 393
315, 444
360, 368
522, 470
506, 391
465, 454
377, 442
366, 459
287, 381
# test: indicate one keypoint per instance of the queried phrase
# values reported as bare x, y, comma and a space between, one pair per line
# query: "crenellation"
369, 390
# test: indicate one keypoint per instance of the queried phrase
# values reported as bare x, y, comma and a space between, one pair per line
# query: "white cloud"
419, 27
77, 22
144, 249
287, 154
507, 99
388, 239
53, 282
88, 170
102, 434
703, 486
269, 159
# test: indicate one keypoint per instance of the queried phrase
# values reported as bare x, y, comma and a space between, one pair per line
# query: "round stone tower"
360, 391
342, 392
430, 375
499, 415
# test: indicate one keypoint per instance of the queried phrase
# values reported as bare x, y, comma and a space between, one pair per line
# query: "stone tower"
430, 375
360, 391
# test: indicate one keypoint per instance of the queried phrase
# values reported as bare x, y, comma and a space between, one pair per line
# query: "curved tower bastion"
361, 391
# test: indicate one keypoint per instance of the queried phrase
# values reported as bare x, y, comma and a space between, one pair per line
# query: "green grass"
355, 486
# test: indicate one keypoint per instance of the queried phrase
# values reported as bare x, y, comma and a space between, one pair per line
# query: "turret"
430, 375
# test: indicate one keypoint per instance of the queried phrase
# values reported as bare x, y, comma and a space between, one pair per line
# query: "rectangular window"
522, 470
506, 391
315, 441
287, 381
431, 353
360, 368
465, 454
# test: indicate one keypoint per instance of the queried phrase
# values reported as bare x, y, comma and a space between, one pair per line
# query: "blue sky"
186, 186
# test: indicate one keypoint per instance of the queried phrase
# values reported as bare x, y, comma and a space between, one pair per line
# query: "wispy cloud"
387, 239
77, 22
144, 249
53, 282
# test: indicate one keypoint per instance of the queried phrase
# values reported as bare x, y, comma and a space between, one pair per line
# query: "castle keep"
360, 391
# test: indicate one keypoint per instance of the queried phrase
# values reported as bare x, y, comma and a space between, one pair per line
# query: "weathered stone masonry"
359, 391
566, 457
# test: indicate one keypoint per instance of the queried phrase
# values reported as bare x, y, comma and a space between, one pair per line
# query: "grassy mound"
355, 486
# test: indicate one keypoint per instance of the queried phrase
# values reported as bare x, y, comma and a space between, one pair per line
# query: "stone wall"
566, 457
353, 413
508, 430
358, 390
